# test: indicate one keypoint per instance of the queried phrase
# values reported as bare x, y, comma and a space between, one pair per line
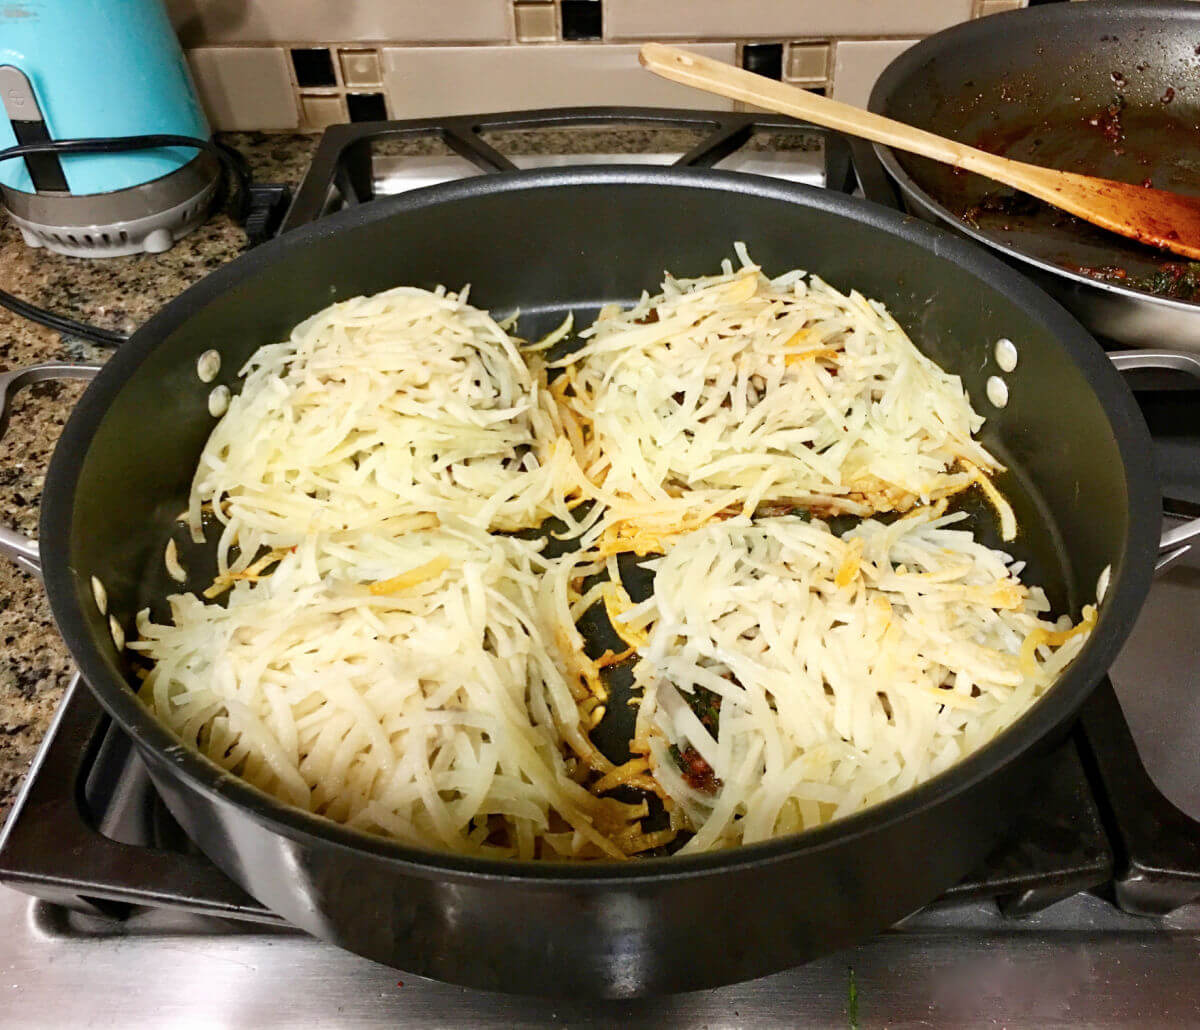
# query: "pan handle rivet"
997, 391
208, 365
1006, 354
117, 632
218, 401
100, 595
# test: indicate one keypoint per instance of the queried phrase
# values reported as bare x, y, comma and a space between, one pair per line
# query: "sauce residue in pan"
1116, 141
1148, 136
1176, 280
1108, 121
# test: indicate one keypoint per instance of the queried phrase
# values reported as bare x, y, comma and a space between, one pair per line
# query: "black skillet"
563, 240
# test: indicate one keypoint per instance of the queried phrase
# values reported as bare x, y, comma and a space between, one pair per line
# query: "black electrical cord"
234, 169
60, 323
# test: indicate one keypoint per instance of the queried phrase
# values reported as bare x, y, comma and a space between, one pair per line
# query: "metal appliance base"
147, 218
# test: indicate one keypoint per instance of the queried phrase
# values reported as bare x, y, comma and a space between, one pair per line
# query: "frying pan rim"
1130, 580
905, 64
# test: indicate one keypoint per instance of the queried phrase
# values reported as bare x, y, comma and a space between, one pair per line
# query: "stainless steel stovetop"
141, 928
1079, 964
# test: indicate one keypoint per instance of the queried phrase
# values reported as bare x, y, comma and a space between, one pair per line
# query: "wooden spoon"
1157, 217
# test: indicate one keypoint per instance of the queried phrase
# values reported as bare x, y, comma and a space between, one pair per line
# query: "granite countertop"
116, 293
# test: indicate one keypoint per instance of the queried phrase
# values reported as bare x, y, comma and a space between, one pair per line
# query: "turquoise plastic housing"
101, 68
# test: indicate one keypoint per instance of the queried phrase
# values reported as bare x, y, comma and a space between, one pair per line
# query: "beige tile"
857, 64
807, 62
426, 81
244, 87
360, 67
987, 7
320, 110
536, 22
349, 21
714, 19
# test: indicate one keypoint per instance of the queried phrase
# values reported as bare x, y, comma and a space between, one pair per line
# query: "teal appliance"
83, 69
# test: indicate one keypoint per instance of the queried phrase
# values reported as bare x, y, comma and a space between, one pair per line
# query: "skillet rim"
1130, 581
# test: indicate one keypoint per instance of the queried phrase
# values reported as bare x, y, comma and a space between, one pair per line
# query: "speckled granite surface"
117, 293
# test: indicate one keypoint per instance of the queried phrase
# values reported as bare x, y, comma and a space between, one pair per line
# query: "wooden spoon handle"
727, 81
1160, 218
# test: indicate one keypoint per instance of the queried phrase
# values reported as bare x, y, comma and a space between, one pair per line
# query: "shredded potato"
733, 390
830, 673
372, 650
406, 402
433, 713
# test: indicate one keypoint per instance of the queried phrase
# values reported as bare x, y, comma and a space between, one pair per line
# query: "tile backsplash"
205, 22
715, 19
420, 81
286, 64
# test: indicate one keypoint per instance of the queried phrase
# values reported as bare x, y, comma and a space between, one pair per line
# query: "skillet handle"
1175, 542
21, 549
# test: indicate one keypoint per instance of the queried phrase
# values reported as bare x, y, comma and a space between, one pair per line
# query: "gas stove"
1088, 914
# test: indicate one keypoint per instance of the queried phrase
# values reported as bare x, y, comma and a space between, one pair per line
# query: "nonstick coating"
549, 242
1024, 85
